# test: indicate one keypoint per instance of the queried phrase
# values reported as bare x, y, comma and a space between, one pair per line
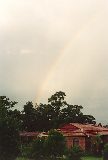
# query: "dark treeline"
44, 117
56, 112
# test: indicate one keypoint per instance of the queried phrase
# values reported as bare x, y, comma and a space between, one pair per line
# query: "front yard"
84, 158
21, 158
91, 158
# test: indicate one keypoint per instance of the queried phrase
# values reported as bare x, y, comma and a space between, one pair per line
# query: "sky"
55, 45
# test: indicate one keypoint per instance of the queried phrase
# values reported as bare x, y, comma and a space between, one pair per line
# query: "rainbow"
61, 54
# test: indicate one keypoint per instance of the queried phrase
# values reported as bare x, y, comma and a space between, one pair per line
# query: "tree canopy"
9, 129
57, 111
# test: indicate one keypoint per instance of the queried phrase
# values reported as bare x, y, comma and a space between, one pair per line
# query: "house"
83, 135
27, 137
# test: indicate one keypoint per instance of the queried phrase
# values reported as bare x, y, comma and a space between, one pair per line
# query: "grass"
91, 158
22, 158
84, 158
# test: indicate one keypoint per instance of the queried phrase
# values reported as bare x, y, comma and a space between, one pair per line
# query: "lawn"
91, 158
21, 158
84, 158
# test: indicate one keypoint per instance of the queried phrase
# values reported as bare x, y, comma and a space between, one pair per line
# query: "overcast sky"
52, 45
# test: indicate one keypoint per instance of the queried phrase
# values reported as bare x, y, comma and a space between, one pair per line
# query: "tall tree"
29, 117
9, 130
66, 113
71, 113
45, 114
57, 102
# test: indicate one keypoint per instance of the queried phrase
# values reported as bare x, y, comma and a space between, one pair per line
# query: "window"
75, 142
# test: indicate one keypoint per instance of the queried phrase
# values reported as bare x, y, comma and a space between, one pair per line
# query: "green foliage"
9, 130
25, 151
29, 117
74, 153
44, 117
22, 158
106, 147
55, 144
38, 149
105, 155
97, 145
91, 158
50, 148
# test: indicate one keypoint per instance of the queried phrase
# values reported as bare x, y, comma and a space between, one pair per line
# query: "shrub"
74, 153
52, 147
55, 144
105, 155
97, 145
106, 147
38, 149
25, 151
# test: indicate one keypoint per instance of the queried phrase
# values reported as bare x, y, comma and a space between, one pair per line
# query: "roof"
72, 129
33, 134
29, 134
77, 129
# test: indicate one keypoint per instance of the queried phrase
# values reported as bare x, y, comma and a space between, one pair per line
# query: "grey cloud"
52, 45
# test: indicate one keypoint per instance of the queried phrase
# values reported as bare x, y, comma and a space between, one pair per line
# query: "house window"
75, 142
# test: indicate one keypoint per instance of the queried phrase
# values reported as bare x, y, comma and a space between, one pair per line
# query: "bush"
25, 151
38, 149
106, 147
105, 155
52, 147
97, 145
55, 144
74, 153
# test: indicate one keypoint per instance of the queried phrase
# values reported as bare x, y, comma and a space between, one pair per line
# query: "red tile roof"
77, 129
72, 129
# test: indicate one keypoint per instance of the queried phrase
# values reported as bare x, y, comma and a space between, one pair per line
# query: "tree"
45, 113
29, 117
9, 130
44, 117
55, 144
37, 118
57, 102
66, 113
38, 149
71, 113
